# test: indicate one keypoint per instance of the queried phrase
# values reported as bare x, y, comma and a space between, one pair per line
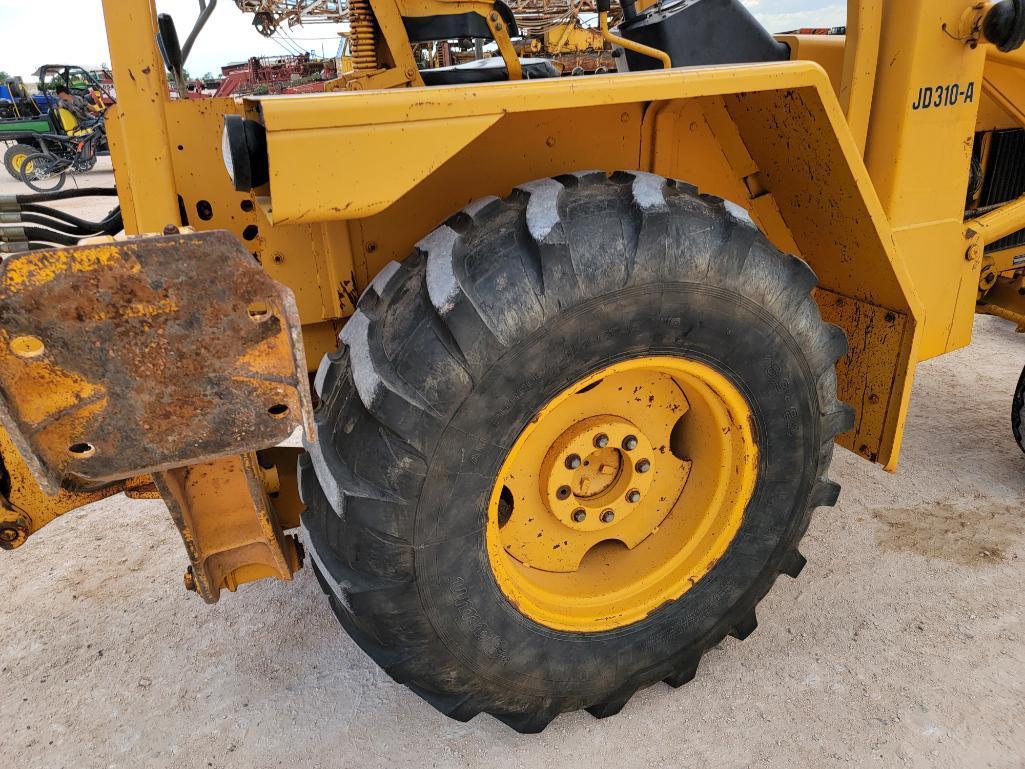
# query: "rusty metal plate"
869, 376
125, 358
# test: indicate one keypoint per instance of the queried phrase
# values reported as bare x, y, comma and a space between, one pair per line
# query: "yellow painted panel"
374, 147
358, 172
919, 152
825, 50
519, 148
314, 260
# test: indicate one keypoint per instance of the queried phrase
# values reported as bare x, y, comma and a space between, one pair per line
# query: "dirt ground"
902, 644
89, 208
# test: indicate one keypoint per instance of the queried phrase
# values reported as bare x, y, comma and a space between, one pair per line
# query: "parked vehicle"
34, 123
47, 171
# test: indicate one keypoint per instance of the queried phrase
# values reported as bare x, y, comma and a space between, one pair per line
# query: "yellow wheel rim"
17, 161
622, 494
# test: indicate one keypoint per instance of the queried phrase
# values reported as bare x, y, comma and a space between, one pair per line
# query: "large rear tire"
458, 356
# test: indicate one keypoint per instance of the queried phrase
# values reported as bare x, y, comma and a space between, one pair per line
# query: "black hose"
49, 236
85, 192
64, 227
111, 224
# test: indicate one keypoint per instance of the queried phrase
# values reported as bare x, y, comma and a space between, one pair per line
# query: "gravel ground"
903, 643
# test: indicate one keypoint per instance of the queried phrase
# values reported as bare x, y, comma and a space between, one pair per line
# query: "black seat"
491, 70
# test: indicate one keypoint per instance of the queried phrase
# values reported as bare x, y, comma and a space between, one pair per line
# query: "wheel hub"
622, 493
597, 473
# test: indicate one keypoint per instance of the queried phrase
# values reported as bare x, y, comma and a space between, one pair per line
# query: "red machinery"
275, 74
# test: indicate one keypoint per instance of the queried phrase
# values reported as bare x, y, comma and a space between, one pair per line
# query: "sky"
76, 35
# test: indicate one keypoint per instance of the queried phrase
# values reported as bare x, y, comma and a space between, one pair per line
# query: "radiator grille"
1005, 178
1005, 169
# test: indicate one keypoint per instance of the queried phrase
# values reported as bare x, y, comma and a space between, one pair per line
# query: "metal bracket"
126, 358
228, 524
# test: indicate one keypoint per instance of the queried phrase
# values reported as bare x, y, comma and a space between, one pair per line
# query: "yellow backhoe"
580, 348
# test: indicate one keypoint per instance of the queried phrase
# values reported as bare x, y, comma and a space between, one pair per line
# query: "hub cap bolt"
579, 516
643, 466
572, 461
563, 492
630, 443
601, 441
608, 516
633, 497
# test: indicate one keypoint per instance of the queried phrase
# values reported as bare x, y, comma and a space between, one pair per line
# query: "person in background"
76, 105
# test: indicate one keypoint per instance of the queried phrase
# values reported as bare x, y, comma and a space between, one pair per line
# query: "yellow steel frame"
832, 155
801, 178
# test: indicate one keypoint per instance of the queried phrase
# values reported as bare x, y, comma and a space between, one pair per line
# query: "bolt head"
630, 442
643, 466
563, 492
633, 496
601, 441
573, 461
13, 534
579, 516
608, 516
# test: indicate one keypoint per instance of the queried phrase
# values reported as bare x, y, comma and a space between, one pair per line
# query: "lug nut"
601, 441
579, 516
630, 442
633, 496
608, 516
563, 492
572, 461
643, 466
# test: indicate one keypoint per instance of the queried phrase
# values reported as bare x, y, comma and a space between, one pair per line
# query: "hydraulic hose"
85, 192
66, 228
111, 224
604, 6
1004, 25
39, 234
